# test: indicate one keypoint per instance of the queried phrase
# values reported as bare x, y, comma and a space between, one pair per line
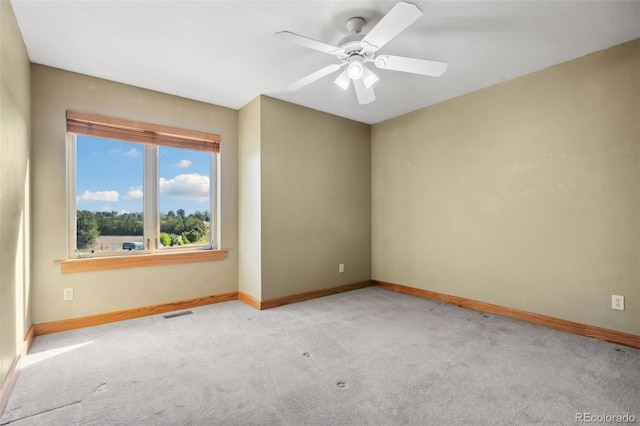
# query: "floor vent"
177, 314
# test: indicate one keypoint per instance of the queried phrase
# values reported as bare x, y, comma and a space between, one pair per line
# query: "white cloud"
192, 186
106, 208
134, 193
132, 153
115, 151
98, 196
183, 164
121, 212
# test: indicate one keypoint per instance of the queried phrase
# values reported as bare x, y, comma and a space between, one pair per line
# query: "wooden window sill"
73, 266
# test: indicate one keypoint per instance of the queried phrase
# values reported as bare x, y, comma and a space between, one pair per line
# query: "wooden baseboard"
599, 333
8, 384
300, 297
91, 320
249, 300
31, 334
12, 375
612, 336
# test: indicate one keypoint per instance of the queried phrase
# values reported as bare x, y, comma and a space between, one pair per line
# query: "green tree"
183, 229
165, 239
191, 236
87, 230
176, 240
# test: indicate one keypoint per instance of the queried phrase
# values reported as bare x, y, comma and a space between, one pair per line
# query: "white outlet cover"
67, 294
617, 302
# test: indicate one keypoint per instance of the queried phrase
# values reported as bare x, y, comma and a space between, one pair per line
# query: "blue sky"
109, 177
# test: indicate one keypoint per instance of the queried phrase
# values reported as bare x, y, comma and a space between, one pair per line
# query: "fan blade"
365, 94
313, 77
400, 17
308, 42
412, 65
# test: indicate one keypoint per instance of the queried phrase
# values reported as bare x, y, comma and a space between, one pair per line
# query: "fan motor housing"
351, 44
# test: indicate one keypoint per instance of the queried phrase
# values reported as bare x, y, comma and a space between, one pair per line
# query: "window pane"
185, 198
109, 203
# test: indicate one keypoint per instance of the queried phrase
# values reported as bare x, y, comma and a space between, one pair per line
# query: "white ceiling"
223, 52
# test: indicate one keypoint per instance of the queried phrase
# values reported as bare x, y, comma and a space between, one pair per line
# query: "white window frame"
151, 198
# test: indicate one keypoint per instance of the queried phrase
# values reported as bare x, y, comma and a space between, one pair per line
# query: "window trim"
87, 124
153, 136
72, 266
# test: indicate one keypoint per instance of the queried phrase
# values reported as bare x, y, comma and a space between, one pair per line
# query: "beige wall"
249, 200
525, 194
316, 199
15, 124
53, 92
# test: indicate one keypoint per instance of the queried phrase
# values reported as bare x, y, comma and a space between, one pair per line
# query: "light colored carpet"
366, 357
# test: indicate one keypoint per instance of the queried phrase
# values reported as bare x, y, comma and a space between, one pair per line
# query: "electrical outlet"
341, 268
617, 302
67, 293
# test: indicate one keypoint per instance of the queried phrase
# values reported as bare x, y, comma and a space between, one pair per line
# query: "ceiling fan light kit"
343, 80
369, 78
356, 49
355, 69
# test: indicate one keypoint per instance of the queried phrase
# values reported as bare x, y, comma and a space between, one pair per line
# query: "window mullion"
71, 201
151, 215
214, 231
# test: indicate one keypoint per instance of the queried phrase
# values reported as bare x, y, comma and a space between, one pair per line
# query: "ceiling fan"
356, 50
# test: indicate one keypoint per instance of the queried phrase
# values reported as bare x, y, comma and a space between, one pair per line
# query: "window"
138, 188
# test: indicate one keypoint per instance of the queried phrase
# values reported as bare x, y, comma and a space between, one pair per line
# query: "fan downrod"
351, 43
